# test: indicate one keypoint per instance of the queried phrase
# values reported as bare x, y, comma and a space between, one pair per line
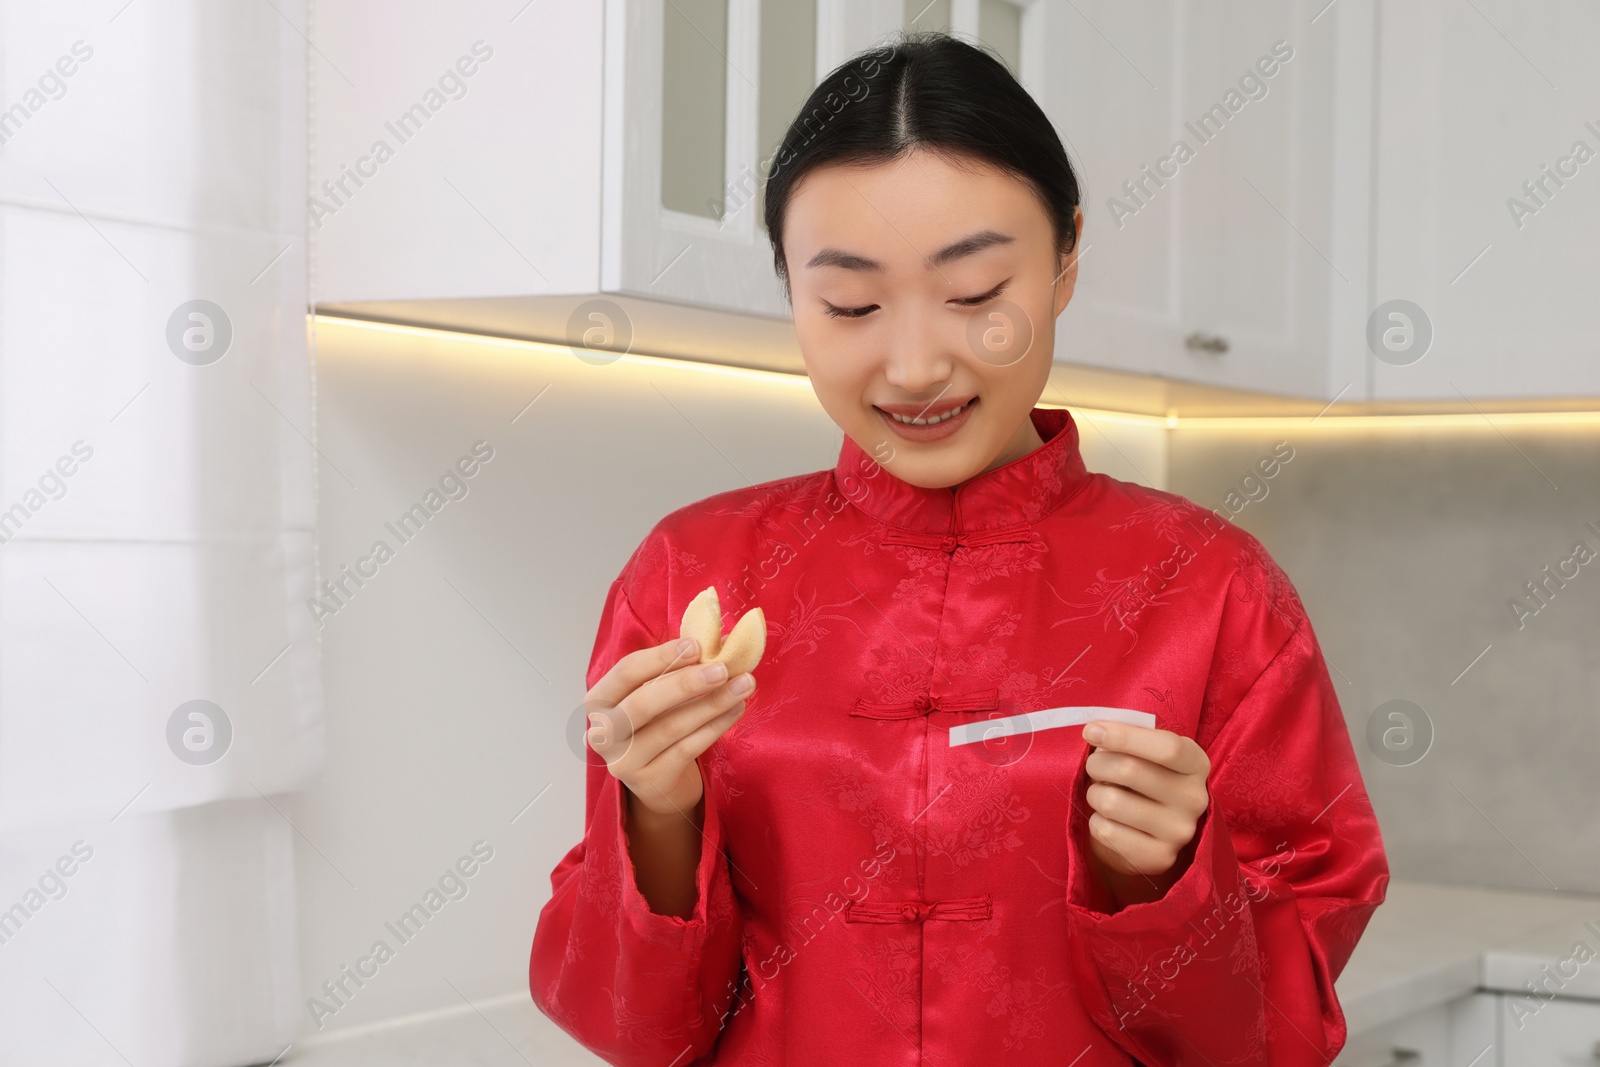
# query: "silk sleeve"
1236, 962
632, 986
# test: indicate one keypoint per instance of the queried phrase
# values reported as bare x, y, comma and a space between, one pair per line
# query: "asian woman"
1039, 766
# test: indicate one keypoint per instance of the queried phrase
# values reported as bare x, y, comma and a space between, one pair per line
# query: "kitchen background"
195, 459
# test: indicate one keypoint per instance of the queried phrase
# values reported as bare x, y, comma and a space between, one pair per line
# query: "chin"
937, 472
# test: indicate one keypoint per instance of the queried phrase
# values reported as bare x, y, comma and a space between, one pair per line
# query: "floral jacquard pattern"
1117, 602
889, 978
978, 816
1265, 579
809, 623
1168, 516
1260, 787
1005, 560
1022, 1003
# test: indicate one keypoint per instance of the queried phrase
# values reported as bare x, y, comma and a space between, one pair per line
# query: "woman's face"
920, 286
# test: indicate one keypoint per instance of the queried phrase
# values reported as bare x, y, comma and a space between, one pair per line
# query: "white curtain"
157, 515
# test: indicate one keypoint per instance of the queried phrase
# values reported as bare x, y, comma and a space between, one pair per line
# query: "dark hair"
923, 90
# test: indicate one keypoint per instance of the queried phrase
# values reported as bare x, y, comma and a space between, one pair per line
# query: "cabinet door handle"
1401, 1056
1206, 342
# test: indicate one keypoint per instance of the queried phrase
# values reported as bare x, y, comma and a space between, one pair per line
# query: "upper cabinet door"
1204, 134
1005, 26
698, 95
1488, 200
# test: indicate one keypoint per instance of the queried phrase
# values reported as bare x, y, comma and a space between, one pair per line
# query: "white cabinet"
1208, 138
1484, 1029
1261, 181
1420, 1040
696, 106
456, 149
1475, 1031
1459, 1033
1408, 213
592, 148
615, 148
1549, 1033
698, 94
1488, 196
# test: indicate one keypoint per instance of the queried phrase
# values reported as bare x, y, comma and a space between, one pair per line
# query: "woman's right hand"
653, 713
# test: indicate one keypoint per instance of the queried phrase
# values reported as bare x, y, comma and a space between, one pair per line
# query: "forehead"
906, 208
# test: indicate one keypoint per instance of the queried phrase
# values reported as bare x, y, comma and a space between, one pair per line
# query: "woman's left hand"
1148, 793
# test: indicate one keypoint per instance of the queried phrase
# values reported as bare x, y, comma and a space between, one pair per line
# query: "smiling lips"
923, 414
917, 425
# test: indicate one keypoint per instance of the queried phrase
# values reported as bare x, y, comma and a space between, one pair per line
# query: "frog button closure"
961, 909
970, 700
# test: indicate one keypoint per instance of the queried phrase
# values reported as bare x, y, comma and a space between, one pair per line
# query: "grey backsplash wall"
1407, 547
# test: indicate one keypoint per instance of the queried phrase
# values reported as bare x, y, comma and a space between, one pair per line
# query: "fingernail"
714, 672
686, 646
743, 684
1094, 733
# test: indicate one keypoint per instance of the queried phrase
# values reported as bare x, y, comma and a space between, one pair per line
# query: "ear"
1067, 279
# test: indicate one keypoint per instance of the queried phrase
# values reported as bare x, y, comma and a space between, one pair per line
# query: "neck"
1024, 441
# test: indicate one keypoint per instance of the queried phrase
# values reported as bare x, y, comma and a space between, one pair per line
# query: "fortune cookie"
702, 620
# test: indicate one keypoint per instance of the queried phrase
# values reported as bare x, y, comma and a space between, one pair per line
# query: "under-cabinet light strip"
1497, 420
553, 349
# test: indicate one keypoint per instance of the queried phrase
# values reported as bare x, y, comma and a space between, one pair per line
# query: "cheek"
838, 355
1016, 371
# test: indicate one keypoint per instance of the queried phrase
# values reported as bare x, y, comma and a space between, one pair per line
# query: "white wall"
152, 154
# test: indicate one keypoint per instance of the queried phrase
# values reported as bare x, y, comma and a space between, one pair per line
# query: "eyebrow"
969, 245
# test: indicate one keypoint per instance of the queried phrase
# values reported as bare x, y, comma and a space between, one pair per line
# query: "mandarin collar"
1018, 493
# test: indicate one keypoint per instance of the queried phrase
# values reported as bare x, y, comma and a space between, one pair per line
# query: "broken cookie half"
742, 650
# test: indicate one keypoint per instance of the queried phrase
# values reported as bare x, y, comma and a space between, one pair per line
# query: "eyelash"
856, 313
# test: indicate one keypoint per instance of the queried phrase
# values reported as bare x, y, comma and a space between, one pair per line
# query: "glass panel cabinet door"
1000, 27
788, 74
997, 23
694, 106
927, 15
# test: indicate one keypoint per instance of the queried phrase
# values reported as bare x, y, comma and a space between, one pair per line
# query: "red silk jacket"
870, 892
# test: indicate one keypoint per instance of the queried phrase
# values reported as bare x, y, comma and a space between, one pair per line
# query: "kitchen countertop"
1428, 944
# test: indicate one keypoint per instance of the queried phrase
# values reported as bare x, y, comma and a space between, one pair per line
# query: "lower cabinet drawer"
1420, 1040
1549, 1033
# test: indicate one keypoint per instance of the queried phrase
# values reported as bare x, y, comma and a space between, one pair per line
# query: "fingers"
693, 744
664, 754
1172, 751
1170, 826
1148, 794
621, 711
1137, 774
1131, 851
639, 667
656, 737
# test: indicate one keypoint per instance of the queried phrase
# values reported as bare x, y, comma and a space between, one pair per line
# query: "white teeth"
909, 421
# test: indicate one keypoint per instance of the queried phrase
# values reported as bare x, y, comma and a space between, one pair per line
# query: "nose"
918, 359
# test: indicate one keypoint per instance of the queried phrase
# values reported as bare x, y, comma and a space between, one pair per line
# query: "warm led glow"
1493, 420
1456, 421
559, 351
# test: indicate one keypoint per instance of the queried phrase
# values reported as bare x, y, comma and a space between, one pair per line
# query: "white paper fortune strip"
1048, 719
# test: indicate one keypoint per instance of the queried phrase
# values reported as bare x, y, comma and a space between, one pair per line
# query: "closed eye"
858, 312
846, 313
974, 301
